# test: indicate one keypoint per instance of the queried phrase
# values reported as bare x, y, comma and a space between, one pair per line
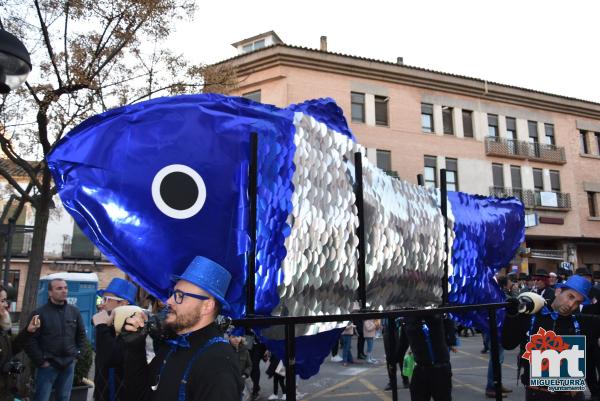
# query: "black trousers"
278, 380
533, 395
256, 355
396, 354
431, 383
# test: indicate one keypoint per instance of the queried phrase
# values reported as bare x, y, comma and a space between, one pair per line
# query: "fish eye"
178, 191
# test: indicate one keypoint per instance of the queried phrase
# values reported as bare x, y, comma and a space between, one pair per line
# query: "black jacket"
442, 334
109, 358
215, 375
9, 347
60, 337
514, 331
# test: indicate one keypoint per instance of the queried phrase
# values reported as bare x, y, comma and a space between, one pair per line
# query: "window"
255, 96
467, 117
515, 175
14, 276
511, 131
592, 206
259, 44
533, 137
583, 142
381, 110
447, 120
555, 180
427, 117
498, 175
493, 125
358, 107
18, 239
384, 160
81, 246
549, 129
597, 136
538, 180
430, 172
451, 174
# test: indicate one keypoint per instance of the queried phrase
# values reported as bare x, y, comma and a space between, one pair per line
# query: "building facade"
492, 139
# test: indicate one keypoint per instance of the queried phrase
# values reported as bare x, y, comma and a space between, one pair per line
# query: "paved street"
366, 382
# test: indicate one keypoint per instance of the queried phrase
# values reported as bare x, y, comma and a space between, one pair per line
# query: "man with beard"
197, 364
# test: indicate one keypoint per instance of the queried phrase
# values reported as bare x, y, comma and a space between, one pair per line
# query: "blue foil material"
488, 233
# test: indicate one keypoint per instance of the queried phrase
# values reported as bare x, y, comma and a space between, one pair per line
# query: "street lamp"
15, 63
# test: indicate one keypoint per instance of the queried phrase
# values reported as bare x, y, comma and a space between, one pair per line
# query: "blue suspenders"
554, 316
186, 373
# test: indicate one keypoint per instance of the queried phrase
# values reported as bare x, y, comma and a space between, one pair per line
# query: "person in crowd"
108, 362
197, 364
507, 287
395, 355
347, 334
560, 316
241, 350
258, 352
54, 348
360, 338
274, 370
585, 273
430, 339
541, 279
11, 346
552, 280
592, 372
334, 352
524, 280
370, 328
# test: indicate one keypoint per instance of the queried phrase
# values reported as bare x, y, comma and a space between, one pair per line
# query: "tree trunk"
36, 258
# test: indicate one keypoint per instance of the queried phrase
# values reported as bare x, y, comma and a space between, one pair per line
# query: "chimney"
400, 60
323, 43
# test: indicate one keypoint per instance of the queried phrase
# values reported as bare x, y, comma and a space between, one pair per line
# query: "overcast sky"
550, 46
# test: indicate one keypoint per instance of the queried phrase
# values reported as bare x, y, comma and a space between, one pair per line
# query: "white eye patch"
178, 191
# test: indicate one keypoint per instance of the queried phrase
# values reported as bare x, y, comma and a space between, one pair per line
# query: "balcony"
496, 146
552, 254
80, 250
541, 200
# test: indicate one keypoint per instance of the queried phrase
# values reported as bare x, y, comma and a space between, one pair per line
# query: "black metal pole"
9, 236
358, 191
393, 363
290, 362
495, 354
252, 195
444, 207
420, 180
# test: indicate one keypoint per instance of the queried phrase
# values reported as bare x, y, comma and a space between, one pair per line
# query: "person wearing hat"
561, 316
523, 280
197, 364
584, 272
108, 362
541, 285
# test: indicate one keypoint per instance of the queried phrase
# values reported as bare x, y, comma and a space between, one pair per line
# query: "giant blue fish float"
159, 182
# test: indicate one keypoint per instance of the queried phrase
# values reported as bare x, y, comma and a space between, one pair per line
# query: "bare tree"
91, 55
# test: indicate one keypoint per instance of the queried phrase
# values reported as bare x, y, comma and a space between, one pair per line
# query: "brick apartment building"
494, 139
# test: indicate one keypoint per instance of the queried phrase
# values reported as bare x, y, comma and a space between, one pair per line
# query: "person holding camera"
526, 315
9, 347
108, 363
198, 364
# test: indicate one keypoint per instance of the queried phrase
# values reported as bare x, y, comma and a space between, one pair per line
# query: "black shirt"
215, 375
514, 331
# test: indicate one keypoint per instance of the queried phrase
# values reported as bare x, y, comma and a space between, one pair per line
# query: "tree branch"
15, 185
67, 4
47, 41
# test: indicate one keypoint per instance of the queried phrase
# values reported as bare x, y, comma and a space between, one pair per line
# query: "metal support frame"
444, 207
290, 322
252, 195
358, 190
393, 335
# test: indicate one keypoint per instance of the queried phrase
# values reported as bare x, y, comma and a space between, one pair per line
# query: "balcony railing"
80, 252
497, 146
554, 254
534, 199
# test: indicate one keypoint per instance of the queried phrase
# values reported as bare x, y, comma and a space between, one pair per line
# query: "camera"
13, 367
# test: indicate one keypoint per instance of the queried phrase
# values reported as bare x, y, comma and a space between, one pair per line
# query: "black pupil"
178, 190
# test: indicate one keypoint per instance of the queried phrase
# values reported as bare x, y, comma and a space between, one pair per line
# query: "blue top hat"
210, 276
578, 284
121, 288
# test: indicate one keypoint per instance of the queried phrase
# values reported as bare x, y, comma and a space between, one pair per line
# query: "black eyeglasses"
178, 296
